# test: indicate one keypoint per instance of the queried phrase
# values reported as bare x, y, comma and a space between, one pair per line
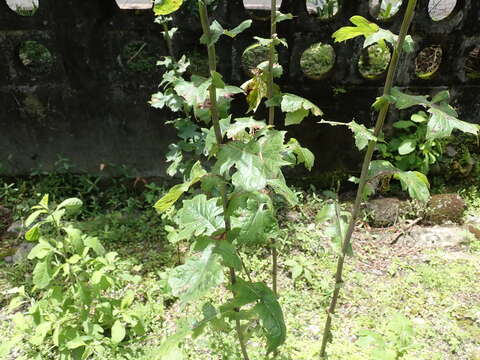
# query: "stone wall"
90, 104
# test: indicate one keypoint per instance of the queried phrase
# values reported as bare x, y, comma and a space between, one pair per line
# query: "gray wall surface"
92, 109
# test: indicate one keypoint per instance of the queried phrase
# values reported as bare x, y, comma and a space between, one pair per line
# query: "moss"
35, 57
34, 107
253, 57
317, 60
374, 61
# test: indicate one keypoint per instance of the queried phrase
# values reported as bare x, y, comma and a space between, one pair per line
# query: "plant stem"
271, 59
212, 63
407, 20
271, 119
168, 39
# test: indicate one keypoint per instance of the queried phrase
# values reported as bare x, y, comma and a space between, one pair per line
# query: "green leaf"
252, 218
442, 124
178, 190
391, 38
239, 29
238, 129
419, 117
362, 27
41, 250
403, 124
169, 349
33, 233
216, 30
407, 146
118, 332
199, 216
267, 308
42, 275
229, 255
75, 343
404, 101
279, 17
166, 7
217, 80
256, 89
197, 276
298, 108
280, 187
95, 245
304, 156
72, 205
33, 216
362, 135
416, 183
44, 202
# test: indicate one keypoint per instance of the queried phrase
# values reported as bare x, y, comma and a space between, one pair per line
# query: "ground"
434, 289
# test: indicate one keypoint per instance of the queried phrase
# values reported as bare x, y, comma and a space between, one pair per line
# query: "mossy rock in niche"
444, 208
317, 61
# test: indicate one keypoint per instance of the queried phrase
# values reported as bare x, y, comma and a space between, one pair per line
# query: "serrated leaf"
267, 308
217, 80
166, 7
297, 108
199, 216
239, 29
403, 101
197, 276
302, 154
118, 332
169, 349
252, 219
362, 27
229, 255
238, 129
415, 183
362, 135
442, 124
216, 30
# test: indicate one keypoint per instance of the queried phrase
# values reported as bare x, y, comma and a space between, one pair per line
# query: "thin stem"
168, 39
407, 20
274, 268
271, 59
271, 119
212, 63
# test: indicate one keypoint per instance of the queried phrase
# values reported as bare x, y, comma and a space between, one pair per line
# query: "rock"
440, 236
382, 212
16, 228
444, 208
20, 254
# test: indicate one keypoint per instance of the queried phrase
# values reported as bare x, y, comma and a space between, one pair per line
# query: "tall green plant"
234, 170
442, 121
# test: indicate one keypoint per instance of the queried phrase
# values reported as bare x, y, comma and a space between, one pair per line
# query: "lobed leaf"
197, 276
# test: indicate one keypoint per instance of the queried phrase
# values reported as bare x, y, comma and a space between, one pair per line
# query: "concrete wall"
92, 109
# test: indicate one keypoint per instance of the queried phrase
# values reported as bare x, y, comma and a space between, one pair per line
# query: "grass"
435, 289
